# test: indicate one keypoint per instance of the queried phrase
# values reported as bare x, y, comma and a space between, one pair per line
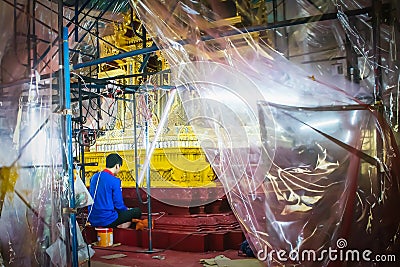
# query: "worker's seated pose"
108, 209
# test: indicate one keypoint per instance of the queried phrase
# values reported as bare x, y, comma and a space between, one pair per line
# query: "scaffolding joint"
70, 211
65, 112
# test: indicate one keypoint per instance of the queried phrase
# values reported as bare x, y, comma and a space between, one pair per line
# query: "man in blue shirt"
108, 209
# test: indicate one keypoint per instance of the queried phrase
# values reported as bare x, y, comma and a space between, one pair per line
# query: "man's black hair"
112, 160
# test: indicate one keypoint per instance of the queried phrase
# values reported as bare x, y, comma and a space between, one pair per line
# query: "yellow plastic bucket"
104, 237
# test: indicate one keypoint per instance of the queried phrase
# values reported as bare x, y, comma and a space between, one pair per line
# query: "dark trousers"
125, 216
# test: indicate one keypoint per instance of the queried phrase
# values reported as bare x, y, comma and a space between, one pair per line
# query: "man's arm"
117, 196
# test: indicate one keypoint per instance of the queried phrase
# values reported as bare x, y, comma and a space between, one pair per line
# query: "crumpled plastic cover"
33, 183
309, 166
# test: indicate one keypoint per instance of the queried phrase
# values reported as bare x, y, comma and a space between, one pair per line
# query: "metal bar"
21, 150
137, 52
82, 53
353, 107
28, 41
279, 24
98, 17
313, 4
27, 80
46, 64
376, 40
34, 39
80, 10
81, 146
286, 31
76, 20
15, 21
105, 41
85, 15
275, 16
93, 17
45, 54
40, 39
146, 58
144, 63
69, 148
87, 32
98, 100
129, 75
298, 21
137, 162
97, 45
59, 12
30, 16
322, 60
131, 90
61, 108
353, 73
75, 85
60, 59
148, 180
69, 23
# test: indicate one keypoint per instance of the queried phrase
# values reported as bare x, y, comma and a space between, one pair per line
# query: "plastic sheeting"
32, 181
34, 186
310, 168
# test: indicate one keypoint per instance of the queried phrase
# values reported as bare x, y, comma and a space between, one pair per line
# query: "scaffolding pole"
74, 242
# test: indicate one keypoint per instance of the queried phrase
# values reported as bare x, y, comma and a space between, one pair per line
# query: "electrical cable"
77, 168
111, 106
87, 219
94, 197
136, 153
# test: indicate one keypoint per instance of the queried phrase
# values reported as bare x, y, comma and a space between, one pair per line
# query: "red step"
211, 227
192, 233
173, 240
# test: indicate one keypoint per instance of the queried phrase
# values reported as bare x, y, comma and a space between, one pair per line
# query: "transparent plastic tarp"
34, 185
307, 163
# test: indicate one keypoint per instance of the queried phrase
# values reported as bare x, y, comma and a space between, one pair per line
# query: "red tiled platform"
193, 237
180, 200
211, 227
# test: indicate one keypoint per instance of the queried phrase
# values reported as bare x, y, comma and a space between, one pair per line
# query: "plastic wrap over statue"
307, 163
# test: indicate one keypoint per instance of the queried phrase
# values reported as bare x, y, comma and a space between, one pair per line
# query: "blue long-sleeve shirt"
107, 196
